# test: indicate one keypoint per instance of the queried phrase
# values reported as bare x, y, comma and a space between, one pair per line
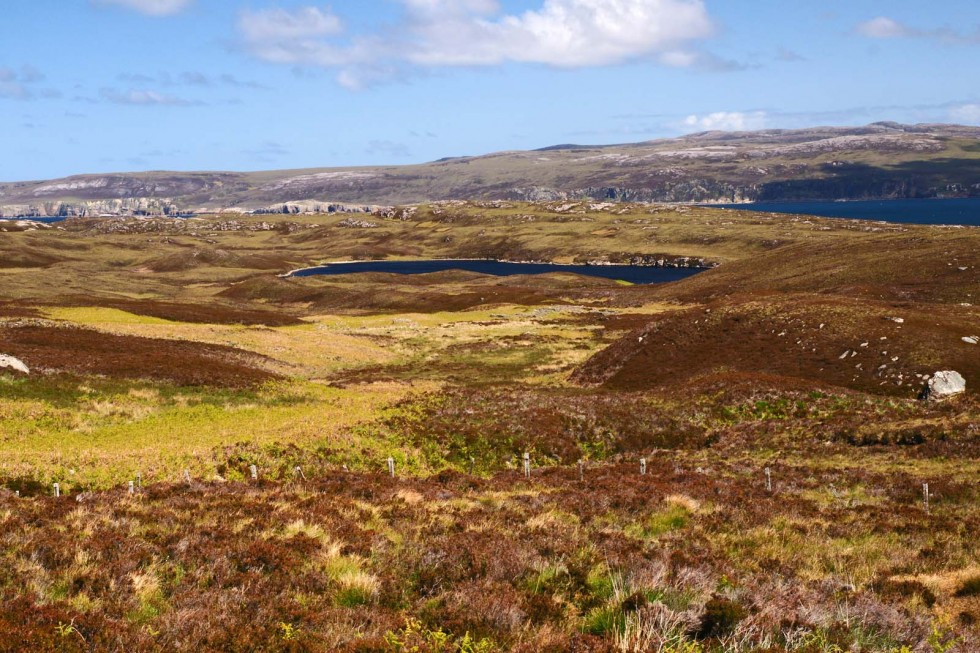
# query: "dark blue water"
52, 220
935, 212
630, 273
44, 220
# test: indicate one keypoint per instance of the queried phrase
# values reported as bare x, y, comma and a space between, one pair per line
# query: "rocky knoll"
882, 160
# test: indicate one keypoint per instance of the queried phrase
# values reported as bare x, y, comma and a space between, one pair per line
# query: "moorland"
773, 402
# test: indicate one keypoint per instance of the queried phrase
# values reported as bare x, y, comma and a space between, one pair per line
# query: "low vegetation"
774, 404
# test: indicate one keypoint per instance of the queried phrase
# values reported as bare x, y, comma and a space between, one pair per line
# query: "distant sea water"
964, 212
44, 220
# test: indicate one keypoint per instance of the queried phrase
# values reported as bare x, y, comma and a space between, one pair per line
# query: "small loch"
637, 274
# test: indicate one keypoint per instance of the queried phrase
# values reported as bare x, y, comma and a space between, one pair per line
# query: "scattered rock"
897, 320
971, 340
351, 223
13, 363
943, 385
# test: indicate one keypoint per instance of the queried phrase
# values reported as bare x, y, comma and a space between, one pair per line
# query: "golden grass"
106, 442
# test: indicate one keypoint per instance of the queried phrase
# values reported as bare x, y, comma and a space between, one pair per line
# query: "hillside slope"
882, 160
877, 315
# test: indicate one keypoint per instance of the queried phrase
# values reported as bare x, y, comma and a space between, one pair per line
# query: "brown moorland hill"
875, 315
75, 350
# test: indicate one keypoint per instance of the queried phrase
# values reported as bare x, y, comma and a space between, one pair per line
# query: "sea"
963, 212
959, 211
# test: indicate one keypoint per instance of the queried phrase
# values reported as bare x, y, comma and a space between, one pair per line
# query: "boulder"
943, 385
13, 363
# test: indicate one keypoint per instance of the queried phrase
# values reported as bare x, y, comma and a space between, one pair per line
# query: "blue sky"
123, 85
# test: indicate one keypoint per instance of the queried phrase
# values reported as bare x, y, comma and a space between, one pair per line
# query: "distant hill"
882, 160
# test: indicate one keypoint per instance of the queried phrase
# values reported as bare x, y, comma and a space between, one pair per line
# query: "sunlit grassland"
99, 433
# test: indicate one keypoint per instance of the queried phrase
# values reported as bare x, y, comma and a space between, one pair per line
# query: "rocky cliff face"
884, 160
130, 206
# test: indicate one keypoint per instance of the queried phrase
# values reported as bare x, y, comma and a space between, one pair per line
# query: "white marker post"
527, 465
768, 480
132, 487
254, 471
57, 490
643, 466
925, 496
391, 466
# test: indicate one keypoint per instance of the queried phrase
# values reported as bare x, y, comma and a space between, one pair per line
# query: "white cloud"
566, 33
882, 28
444, 33
152, 7
968, 114
281, 26
727, 121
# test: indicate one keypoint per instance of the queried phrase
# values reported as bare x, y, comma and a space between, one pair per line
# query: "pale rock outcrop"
13, 363
943, 385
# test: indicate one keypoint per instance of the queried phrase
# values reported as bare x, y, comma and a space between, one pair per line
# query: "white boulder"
13, 363
943, 385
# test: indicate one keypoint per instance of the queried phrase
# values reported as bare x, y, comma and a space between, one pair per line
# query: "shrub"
720, 617
892, 589
970, 587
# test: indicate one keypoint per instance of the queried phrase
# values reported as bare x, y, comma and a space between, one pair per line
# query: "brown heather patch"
83, 351
200, 313
358, 561
822, 340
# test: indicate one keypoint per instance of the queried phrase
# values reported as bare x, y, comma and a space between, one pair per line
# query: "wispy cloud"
267, 151
447, 33
884, 27
789, 56
279, 25
20, 84
150, 7
389, 149
727, 121
968, 114
139, 97
188, 78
